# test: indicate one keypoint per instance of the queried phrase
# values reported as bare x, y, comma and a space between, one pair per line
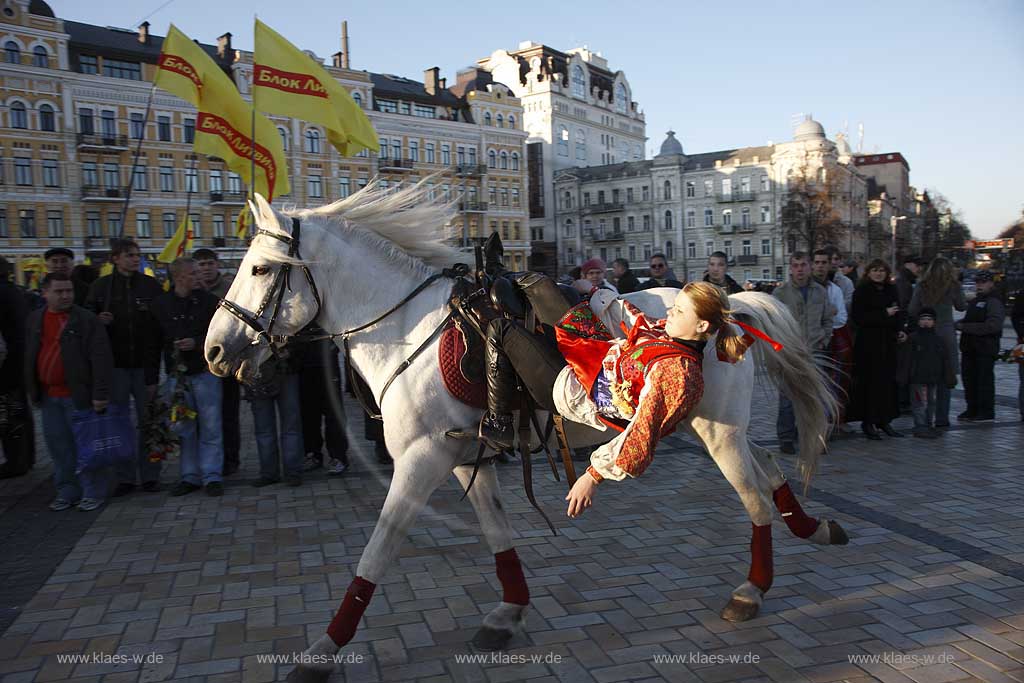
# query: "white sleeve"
838, 302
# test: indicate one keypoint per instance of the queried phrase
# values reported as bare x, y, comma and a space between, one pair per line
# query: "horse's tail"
796, 372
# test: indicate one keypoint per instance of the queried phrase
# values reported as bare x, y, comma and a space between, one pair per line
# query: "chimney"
144, 33
430, 80
224, 46
443, 84
344, 45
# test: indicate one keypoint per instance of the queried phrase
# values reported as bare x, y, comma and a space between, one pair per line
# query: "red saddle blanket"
450, 351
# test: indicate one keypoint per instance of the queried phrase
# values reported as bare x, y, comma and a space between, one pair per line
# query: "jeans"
979, 384
785, 422
60, 442
202, 439
129, 383
265, 414
322, 404
923, 404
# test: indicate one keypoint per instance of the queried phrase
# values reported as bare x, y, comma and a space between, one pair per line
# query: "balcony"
749, 227
604, 207
724, 229
613, 236
749, 260
223, 198
95, 193
473, 207
737, 196
395, 164
474, 170
107, 142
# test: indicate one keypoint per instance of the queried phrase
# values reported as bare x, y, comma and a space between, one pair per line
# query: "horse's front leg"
506, 620
417, 475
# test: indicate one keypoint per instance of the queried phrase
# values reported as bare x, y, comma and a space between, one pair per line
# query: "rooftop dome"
809, 130
671, 145
41, 9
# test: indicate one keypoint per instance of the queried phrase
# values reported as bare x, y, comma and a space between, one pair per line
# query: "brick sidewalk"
932, 582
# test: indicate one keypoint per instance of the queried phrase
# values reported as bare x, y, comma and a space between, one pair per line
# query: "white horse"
361, 256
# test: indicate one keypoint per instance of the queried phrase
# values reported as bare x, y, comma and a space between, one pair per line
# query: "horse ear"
254, 210
264, 210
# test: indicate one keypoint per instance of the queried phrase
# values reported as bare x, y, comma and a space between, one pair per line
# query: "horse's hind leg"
799, 523
507, 619
417, 475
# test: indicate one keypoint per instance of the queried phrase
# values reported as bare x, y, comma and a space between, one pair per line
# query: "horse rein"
282, 281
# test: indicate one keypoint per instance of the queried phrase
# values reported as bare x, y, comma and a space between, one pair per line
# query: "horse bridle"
282, 281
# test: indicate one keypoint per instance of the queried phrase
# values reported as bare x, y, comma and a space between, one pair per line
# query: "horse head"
273, 296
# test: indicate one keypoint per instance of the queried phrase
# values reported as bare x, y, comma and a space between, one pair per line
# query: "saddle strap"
525, 455
563, 448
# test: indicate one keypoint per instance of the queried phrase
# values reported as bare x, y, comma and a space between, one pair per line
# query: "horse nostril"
213, 354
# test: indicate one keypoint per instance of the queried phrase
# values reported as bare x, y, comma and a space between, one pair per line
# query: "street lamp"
893, 222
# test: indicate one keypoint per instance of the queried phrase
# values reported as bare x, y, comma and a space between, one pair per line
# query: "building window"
284, 138
647, 222
90, 176
504, 160
383, 144
12, 52
51, 176
569, 229
691, 250
19, 119
163, 128
108, 123
764, 183
745, 185
581, 144
388, 106
93, 225
709, 187
460, 155
746, 249
424, 112
629, 195
492, 195
766, 273
116, 68
504, 196
726, 188
645, 193
396, 148
668, 220
511, 121
22, 171
414, 150
136, 127
515, 197
647, 251
55, 223
197, 224
358, 99
515, 161
344, 187
501, 121
487, 118
87, 64
691, 218
47, 121
27, 221
670, 251
766, 214
191, 180
142, 228
428, 149
446, 155
313, 141
766, 247
314, 186
190, 130
709, 217
726, 217
630, 223
691, 188
170, 226
620, 98
579, 82
745, 217
166, 179
234, 183
667, 191
114, 224
218, 225
709, 248
216, 182
563, 141
85, 123
492, 159
728, 248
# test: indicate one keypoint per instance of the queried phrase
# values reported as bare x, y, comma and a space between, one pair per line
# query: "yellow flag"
180, 66
106, 269
223, 129
286, 81
180, 244
242, 231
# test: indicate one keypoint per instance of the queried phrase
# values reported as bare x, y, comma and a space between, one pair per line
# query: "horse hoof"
303, 674
836, 534
740, 610
492, 639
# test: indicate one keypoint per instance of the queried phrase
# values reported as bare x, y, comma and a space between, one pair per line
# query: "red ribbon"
759, 334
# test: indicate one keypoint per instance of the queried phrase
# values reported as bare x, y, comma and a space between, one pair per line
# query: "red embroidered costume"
643, 386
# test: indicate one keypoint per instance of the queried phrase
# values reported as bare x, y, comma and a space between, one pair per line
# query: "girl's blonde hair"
712, 305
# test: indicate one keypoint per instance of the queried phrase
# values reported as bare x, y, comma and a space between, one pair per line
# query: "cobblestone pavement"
930, 589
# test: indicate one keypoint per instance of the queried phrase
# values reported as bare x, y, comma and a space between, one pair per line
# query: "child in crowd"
929, 366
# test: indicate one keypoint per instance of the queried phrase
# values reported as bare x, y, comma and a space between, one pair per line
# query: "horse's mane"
405, 226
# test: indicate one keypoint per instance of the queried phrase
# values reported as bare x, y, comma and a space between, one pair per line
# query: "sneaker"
183, 488
215, 489
123, 489
313, 461
336, 467
265, 481
293, 480
152, 486
787, 447
965, 416
60, 504
89, 504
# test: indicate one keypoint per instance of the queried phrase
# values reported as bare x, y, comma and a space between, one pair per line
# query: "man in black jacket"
122, 301
17, 432
625, 279
659, 274
184, 316
980, 331
718, 274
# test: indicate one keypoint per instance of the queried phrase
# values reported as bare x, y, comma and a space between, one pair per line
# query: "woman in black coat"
880, 323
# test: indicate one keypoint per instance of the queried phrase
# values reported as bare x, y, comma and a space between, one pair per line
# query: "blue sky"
941, 82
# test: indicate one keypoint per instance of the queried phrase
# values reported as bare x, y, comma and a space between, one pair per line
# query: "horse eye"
260, 270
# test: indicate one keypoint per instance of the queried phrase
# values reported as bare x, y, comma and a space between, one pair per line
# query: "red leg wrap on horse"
345, 622
793, 515
761, 567
510, 573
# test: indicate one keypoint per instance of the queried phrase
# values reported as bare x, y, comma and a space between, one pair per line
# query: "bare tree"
810, 218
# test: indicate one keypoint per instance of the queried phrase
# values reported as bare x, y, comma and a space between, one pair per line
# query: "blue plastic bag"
103, 439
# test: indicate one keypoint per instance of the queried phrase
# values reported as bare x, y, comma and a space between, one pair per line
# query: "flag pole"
188, 191
135, 161
252, 134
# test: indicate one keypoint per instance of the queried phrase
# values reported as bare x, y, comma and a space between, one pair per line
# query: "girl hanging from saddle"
642, 386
